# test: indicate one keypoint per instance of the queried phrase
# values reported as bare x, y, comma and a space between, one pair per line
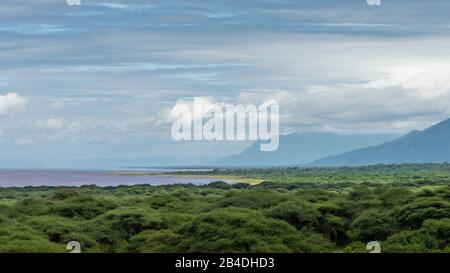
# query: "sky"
93, 85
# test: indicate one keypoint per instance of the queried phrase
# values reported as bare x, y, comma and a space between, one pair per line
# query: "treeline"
374, 174
221, 217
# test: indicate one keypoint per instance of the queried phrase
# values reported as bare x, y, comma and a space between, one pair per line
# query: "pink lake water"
23, 178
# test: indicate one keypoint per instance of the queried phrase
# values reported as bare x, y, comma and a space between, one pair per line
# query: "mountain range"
431, 145
298, 149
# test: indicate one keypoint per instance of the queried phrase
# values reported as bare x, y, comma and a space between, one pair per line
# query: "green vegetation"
405, 207
405, 175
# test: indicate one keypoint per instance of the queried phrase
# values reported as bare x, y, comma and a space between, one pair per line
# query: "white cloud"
11, 102
206, 103
57, 104
126, 7
34, 29
428, 80
133, 67
25, 141
388, 104
52, 123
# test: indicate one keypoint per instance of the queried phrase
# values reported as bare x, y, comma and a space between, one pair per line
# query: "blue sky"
97, 81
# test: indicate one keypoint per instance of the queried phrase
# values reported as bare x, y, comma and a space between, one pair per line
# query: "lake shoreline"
78, 178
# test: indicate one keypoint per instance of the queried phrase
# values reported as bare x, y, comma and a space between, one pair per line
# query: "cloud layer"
96, 80
11, 102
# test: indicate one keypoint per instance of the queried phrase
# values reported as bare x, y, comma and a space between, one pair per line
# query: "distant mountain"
431, 145
297, 149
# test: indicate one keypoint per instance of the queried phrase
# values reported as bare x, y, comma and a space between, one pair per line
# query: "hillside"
297, 149
431, 145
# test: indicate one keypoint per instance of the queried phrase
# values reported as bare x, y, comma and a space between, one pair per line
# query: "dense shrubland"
220, 217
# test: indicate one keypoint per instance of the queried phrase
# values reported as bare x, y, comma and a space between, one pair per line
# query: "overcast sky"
98, 80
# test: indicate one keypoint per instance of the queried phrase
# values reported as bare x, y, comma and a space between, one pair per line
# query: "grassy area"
406, 174
406, 208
